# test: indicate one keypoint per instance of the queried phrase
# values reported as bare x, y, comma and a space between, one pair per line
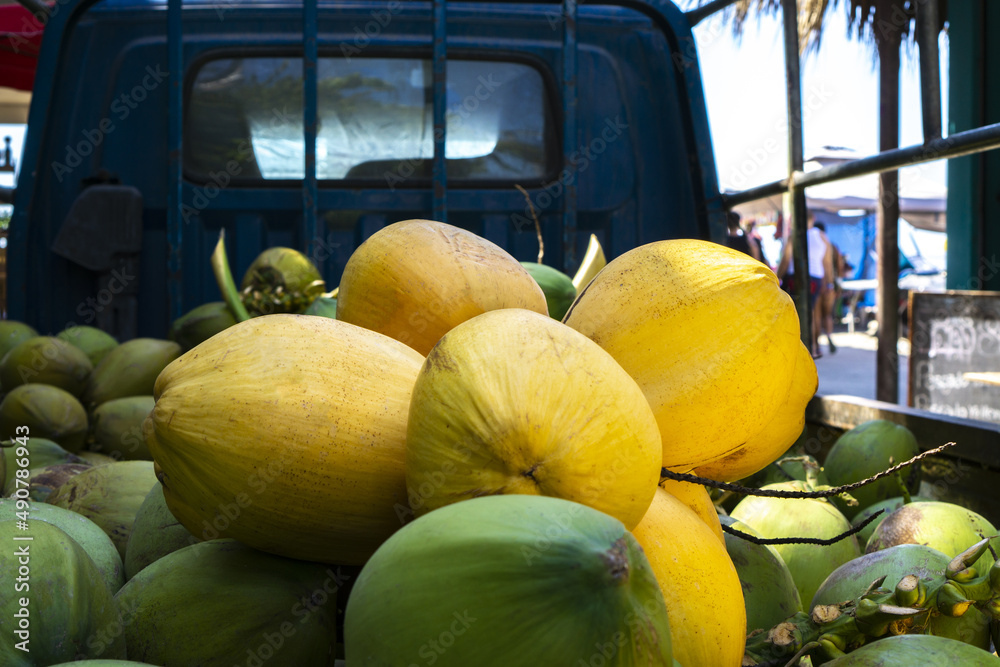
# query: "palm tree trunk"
888, 35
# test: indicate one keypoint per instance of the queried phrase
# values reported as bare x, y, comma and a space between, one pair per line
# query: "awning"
922, 202
20, 41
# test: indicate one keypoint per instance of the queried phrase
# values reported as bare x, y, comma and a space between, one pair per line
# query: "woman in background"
820, 274
824, 305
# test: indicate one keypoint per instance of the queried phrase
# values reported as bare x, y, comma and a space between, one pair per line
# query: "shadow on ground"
851, 370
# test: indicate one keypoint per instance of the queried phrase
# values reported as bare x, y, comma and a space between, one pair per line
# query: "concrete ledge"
978, 441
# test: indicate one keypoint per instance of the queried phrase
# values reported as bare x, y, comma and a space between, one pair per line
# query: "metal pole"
310, 56
955, 145
175, 161
887, 219
570, 139
928, 27
699, 14
797, 237
440, 79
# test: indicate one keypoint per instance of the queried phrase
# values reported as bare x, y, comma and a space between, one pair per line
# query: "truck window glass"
375, 120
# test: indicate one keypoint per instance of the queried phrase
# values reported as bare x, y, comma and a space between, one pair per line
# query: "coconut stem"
768, 493
803, 635
224, 277
910, 591
966, 559
903, 489
831, 631
538, 227
802, 540
798, 656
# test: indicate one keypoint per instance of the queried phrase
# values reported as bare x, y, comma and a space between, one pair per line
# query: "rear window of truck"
245, 116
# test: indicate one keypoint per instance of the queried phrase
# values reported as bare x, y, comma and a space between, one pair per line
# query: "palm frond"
865, 20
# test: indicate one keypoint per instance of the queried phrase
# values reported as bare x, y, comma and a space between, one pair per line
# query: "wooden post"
888, 35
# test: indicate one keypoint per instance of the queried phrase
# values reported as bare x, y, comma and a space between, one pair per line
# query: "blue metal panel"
248, 239
677, 29
285, 199
440, 174
338, 246
672, 159
368, 225
310, 56
175, 163
29, 289
496, 229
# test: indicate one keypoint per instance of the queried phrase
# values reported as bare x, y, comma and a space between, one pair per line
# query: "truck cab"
132, 167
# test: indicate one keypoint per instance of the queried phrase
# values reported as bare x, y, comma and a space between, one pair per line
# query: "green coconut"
110, 496
801, 517
130, 369
155, 533
323, 306
40, 453
43, 482
281, 280
889, 505
769, 591
556, 285
508, 580
914, 651
868, 449
951, 529
48, 412
95, 459
201, 323
94, 342
46, 360
85, 532
12, 334
785, 469
103, 663
116, 428
788, 469
62, 609
852, 579
257, 608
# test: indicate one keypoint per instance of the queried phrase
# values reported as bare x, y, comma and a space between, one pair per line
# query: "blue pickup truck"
154, 125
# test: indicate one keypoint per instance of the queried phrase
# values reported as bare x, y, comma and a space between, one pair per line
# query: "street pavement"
851, 370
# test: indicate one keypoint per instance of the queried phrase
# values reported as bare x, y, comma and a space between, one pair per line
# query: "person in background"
737, 240
820, 273
844, 272
753, 237
828, 296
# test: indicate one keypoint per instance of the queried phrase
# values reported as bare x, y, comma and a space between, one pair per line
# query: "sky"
745, 91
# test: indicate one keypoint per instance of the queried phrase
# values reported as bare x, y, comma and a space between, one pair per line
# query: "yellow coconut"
708, 622
707, 333
780, 433
415, 280
696, 497
287, 432
513, 402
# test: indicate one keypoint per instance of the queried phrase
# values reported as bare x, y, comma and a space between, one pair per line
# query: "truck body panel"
642, 162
